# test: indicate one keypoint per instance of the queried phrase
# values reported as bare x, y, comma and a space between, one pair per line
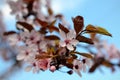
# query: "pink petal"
20, 56
77, 71
63, 34
42, 44
70, 47
62, 44
89, 62
71, 35
74, 42
84, 67
43, 64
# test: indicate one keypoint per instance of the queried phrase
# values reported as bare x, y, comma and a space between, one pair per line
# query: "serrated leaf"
59, 16
50, 11
42, 23
29, 7
43, 30
84, 39
28, 1
92, 36
103, 31
53, 28
24, 26
52, 37
9, 33
42, 56
92, 29
84, 54
63, 28
78, 23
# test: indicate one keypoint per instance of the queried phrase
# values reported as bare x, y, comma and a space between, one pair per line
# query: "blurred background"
104, 13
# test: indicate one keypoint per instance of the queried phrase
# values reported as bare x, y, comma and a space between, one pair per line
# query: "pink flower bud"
52, 68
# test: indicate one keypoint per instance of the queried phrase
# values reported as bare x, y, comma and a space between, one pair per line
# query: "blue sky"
104, 13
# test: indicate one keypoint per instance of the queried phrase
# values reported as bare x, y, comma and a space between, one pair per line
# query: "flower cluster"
28, 10
43, 50
49, 47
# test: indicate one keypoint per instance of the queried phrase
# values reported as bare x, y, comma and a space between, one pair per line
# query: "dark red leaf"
28, 1
42, 23
53, 28
84, 54
63, 28
24, 26
84, 39
59, 16
30, 5
50, 11
42, 56
9, 33
78, 23
52, 37
43, 30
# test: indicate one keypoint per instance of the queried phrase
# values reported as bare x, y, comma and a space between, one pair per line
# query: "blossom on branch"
46, 46
68, 39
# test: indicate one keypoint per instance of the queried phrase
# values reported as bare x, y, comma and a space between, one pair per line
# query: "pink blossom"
77, 66
52, 68
68, 39
86, 62
16, 6
13, 39
26, 54
43, 64
33, 67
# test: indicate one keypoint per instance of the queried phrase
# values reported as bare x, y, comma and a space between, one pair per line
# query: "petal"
75, 62
63, 34
62, 44
78, 72
71, 35
89, 63
84, 67
20, 56
74, 42
28, 58
70, 47
28, 68
42, 44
